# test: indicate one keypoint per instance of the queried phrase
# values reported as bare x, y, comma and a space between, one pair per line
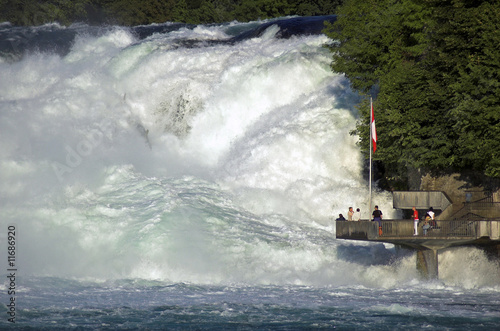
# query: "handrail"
444, 229
481, 205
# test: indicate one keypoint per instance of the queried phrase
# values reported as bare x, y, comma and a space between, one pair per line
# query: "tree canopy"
433, 68
136, 12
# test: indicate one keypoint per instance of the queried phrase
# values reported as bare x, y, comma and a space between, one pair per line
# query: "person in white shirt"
357, 215
349, 214
432, 215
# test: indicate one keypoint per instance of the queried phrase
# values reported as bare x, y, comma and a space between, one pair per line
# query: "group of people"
351, 215
429, 221
356, 215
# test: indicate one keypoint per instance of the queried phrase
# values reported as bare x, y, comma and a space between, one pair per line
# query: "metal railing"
367, 230
482, 204
397, 228
484, 208
442, 229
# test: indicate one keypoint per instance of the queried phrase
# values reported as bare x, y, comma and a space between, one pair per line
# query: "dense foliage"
135, 12
433, 68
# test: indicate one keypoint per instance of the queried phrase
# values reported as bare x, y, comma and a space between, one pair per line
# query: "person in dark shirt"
341, 218
377, 216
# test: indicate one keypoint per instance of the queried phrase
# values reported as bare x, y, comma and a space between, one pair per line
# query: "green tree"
133, 12
32, 12
465, 40
127, 12
314, 7
63, 11
180, 12
434, 68
204, 13
250, 10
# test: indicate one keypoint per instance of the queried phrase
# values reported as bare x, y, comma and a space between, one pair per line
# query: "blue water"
52, 303
187, 177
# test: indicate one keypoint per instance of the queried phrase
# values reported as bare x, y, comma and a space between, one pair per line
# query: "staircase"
484, 208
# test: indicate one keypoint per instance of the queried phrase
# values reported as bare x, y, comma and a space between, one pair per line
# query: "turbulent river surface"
187, 177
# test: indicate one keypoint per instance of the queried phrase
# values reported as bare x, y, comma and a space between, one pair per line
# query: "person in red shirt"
415, 221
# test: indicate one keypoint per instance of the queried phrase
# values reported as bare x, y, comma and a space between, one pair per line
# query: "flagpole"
370, 179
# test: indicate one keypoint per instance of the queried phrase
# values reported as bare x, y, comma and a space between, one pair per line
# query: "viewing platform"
446, 233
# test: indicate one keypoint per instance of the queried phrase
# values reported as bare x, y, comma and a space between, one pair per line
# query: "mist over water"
218, 163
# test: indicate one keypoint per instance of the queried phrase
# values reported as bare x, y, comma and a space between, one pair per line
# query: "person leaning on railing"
427, 225
431, 213
377, 216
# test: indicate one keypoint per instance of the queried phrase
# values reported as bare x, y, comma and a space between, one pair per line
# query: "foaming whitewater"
218, 162
206, 155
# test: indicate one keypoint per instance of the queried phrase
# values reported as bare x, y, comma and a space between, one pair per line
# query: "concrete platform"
445, 234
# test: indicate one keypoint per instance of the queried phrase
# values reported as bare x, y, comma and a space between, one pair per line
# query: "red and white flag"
374, 132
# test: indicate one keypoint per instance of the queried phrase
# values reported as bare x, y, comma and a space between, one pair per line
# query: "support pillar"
427, 263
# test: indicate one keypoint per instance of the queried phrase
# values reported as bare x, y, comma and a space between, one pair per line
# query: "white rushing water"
215, 164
